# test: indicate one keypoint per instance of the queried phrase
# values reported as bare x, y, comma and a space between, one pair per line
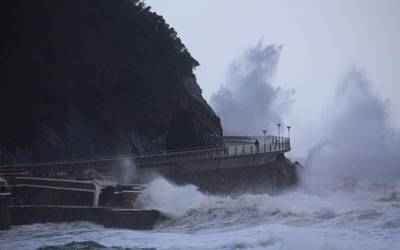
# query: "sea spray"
128, 170
359, 143
171, 199
190, 210
248, 102
356, 214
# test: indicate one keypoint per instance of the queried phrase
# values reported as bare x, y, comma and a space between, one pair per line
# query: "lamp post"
264, 131
288, 131
279, 129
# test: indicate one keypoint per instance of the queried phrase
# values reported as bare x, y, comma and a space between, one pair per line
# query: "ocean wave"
350, 215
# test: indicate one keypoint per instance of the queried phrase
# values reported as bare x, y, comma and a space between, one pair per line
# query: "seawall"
257, 173
109, 217
243, 168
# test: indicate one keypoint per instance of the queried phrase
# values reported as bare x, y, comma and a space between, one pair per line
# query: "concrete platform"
115, 218
5, 217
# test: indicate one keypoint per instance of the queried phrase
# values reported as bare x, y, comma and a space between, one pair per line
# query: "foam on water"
170, 199
352, 215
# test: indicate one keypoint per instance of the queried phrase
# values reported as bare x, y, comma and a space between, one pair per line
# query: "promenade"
92, 167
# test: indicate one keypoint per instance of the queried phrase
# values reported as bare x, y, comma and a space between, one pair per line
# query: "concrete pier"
43, 200
5, 200
117, 218
5, 216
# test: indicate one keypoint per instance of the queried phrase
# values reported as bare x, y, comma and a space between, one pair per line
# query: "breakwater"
108, 217
29, 200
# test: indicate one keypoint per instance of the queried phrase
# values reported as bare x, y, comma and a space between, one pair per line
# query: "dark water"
87, 245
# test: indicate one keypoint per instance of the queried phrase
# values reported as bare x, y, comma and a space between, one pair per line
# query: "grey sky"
321, 41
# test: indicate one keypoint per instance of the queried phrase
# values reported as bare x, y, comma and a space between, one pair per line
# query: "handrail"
111, 157
273, 144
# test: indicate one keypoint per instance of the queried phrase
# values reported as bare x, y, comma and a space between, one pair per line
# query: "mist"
170, 199
128, 170
358, 142
248, 102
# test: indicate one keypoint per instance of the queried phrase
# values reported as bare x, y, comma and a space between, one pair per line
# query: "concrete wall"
5, 217
43, 195
118, 218
216, 163
46, 191
217, 169
62, 183
23, 215
235, 174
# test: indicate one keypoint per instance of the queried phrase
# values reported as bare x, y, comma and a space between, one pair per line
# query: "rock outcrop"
84, 78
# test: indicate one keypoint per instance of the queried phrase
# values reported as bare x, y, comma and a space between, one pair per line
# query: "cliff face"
88, 78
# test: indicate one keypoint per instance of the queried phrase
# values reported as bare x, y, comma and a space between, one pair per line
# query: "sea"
351, 214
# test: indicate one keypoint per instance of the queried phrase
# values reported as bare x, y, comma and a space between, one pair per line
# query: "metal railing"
93, 174
272, 144
58, 168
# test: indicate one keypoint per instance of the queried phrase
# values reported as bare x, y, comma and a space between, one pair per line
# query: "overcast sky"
322, 40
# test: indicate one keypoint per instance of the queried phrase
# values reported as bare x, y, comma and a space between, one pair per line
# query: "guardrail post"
242, 149
235, 150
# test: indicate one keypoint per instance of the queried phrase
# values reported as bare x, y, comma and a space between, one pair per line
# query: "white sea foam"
171, 199
352, 215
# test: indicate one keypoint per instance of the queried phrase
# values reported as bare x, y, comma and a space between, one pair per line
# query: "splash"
128, 170
357, 215
359, 142
248, 102
171, 199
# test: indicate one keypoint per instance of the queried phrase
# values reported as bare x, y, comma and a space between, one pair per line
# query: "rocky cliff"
89, 78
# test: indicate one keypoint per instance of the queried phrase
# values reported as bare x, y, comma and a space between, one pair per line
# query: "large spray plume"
248, 102
359, 141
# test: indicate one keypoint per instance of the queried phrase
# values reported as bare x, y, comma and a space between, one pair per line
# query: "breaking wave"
352, 215
340, 204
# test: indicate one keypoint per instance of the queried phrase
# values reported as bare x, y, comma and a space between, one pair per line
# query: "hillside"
85, 78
